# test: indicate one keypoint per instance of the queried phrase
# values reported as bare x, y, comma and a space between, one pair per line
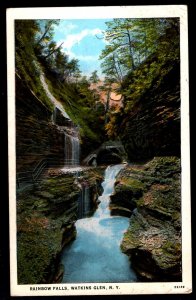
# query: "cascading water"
56, 103
76, 151
81, 205
72, 150
53, 117
84, 205
95, 255
72, 143
86, 201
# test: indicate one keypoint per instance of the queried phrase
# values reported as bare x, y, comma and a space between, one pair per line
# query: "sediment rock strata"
152, 128
36, 136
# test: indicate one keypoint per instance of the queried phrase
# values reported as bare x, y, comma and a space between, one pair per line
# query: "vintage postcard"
99, 166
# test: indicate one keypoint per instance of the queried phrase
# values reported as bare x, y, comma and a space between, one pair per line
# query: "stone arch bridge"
111, 152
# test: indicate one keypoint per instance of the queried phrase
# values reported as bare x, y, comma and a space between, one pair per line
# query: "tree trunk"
107, 105
130, 50
54, 50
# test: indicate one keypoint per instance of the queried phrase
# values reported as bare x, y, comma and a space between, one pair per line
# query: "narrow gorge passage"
95, 255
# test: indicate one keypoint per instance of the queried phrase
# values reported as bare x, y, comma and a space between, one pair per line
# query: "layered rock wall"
36, 136
153, 126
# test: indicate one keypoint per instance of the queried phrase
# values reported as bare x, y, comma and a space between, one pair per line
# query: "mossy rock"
35, 250
155, 252
127, 192
131, 184
120, 211
153, 239
165, 167
46, 214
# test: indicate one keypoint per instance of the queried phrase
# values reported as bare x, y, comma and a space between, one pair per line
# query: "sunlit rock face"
115, 99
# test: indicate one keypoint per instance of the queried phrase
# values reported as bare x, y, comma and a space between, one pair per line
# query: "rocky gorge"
66, 139
47, 208
150, 195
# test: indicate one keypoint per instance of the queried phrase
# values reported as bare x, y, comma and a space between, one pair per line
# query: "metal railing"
39, 168
30, 177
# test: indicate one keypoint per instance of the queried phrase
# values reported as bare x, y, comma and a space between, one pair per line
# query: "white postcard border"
97, 13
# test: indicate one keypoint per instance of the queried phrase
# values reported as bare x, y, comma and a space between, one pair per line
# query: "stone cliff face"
46, 214
152, 128
150, 194
36, 136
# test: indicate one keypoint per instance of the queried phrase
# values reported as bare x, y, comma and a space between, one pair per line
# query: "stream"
95, 255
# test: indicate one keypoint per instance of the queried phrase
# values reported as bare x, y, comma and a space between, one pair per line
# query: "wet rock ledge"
150, 194
46, 216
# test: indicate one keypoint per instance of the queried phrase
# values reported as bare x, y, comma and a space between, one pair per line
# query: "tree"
130, 42
119, 37
94, 78
25, 32
72, 71
154, 51
111, 68
52, 48
61, 60
44, 36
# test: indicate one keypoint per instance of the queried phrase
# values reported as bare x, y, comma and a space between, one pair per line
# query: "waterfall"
86, 201
108, 188
55, 102
81, 204
53, 117
84, 205
72, 150
71, 141
95, 255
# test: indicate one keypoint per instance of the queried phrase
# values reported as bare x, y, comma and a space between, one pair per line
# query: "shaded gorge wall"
42, 132
152, 127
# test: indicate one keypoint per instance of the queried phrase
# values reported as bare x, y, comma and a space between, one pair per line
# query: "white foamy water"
52, 98
95, 255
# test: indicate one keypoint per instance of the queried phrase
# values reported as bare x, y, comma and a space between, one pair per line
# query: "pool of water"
95, 255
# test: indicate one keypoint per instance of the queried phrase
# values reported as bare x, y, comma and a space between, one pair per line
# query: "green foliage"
157, 41
52, 56
25, 31
134, 183
35, 46
80, 103
132, 41
94, 78
33, 253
